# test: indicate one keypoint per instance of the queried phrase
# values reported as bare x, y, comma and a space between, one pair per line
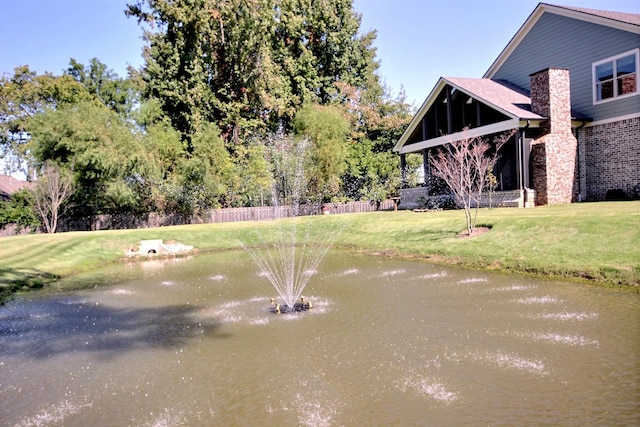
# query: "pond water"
191, 342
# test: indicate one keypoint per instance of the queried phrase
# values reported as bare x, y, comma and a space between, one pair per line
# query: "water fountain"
290, 262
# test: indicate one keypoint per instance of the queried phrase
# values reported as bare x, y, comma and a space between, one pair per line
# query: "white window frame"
612, 59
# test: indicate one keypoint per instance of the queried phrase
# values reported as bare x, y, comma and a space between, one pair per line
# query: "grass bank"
599, 242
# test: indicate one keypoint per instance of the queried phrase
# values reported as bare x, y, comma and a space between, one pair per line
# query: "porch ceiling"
467, 134
509, 100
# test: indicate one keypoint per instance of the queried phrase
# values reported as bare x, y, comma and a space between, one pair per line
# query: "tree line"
226, 88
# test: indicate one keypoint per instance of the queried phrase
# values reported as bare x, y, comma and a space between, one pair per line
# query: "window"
616, 77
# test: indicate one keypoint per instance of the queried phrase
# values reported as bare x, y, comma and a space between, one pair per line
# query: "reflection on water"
389, 342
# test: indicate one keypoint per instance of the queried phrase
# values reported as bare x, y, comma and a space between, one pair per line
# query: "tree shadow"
16, 280
49, 327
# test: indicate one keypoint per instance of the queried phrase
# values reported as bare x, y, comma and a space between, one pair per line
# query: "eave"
467, 134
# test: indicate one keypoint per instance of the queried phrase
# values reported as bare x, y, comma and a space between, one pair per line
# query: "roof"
499, 94
620, 20
622, 17
9, 184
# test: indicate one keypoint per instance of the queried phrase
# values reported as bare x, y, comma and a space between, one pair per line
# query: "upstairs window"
616, 77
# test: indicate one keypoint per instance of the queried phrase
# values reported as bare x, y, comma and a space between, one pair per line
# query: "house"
9, 185
567, 82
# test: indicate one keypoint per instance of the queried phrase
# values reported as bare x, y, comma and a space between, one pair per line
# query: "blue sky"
418, 41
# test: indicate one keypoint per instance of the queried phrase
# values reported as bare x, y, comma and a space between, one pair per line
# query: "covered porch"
462, 108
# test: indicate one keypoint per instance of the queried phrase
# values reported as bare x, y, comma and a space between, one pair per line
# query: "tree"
110, 165
23, 96
251, 181
18, 210
370, 175
464, 165
202, 177
52, 191
118, 94
250, 64
327, 129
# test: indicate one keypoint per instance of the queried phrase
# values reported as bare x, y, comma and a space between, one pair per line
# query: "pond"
192, 342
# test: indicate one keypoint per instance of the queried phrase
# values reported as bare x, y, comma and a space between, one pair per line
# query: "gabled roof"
623, 21
502, 96
9, 185
499, 94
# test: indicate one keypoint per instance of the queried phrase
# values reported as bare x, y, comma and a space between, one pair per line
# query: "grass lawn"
599, 242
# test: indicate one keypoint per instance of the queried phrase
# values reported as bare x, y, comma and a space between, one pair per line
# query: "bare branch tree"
53, 190
464, 165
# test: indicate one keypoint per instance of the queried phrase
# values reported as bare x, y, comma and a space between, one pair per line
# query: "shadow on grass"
13, 281
49, 327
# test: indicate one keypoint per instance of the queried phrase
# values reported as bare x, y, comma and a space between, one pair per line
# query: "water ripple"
432, 387
512, 361
547, 299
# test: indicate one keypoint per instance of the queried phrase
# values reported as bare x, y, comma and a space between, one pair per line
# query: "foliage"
464, 165
290, 158
252, 179
18, 210
109, 163
248, 65
204, 173
23, 96
370, 175
118, 94
52, 191
327, 129
194, 128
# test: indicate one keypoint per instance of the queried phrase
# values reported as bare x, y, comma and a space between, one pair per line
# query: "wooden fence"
264, 213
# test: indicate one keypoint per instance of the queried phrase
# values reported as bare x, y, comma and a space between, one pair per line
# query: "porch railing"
418, 198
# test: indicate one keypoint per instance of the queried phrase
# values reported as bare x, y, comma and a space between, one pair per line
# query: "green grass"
599, 242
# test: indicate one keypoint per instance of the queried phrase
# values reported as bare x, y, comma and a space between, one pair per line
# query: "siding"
562, 42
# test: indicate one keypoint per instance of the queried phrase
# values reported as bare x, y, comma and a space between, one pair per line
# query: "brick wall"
553, 155
611, 155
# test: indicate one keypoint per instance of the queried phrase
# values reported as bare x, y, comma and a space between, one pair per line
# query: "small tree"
50, 194
464, 166
18, 211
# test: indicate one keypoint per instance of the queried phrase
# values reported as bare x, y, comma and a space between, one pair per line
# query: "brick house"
567, 82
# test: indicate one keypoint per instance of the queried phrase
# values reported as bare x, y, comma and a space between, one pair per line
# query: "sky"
418, 41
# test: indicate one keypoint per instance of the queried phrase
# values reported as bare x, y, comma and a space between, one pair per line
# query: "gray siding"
560, 42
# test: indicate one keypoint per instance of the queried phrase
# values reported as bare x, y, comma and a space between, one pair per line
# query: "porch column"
403, 169
519, 163
426, 166
449, 112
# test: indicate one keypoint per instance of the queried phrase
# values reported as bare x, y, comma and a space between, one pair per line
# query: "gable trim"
417, 117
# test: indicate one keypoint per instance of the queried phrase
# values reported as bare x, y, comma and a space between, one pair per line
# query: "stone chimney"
553, 155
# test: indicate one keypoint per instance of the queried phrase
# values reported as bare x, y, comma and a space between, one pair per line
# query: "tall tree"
247, 64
